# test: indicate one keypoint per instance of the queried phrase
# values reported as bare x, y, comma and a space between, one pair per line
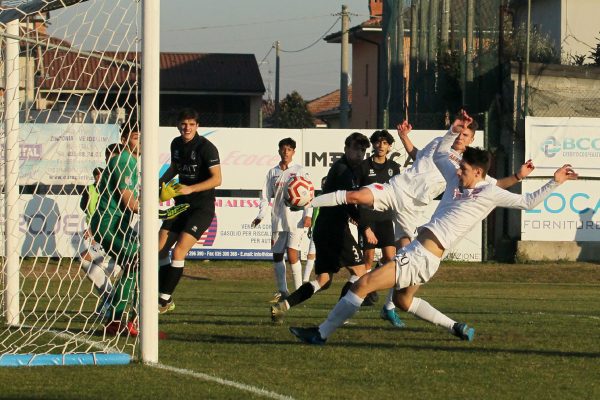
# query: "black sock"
170, 279
345, 289
162, 276
303, 293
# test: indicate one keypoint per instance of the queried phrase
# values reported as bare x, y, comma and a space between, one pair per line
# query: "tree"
293, 113
595, 54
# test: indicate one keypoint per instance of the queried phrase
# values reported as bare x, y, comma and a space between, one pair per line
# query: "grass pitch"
537, 337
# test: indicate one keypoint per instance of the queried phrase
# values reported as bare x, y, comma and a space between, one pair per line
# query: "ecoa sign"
553, 142
569, 213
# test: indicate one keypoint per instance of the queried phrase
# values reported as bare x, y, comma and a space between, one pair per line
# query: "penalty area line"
221, 381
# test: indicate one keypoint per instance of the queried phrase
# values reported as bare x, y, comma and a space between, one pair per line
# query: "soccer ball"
299, 192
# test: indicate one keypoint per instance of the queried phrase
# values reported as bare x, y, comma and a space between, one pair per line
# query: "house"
365, 39
571, 25
226, 89
326, 109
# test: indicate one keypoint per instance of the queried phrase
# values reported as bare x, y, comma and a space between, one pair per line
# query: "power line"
198, 28
313, 43
266, 55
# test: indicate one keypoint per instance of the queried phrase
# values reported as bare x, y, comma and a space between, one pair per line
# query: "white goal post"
76, 74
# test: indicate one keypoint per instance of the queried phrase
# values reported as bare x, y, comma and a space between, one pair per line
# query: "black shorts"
194, 221
336, 250
384, 231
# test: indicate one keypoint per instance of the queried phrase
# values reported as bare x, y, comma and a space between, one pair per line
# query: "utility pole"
470, 23
344, 107
276, 78
527, 44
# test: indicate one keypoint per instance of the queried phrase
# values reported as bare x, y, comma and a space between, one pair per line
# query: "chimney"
375, 8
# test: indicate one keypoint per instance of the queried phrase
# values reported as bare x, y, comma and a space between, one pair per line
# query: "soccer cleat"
371, 299
113, 328
170, 306
132, 328
278, 311
279, 296
308, 335
392, 317
462, 331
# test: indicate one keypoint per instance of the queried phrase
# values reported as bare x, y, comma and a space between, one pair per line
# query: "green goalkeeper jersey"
120, 173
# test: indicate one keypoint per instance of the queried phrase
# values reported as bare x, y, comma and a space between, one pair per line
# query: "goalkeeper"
196, 160
111, 223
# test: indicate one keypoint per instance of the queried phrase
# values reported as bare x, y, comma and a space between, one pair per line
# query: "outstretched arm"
440, 156
517, 177
403, 130
530, 200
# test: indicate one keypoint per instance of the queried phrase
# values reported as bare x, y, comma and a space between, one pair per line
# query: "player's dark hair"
358, 138
97, 171
477, 157
288, 141
383, 134
128, 127
188, 113
112, 150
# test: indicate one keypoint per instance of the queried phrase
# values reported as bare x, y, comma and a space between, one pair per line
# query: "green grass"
538, 337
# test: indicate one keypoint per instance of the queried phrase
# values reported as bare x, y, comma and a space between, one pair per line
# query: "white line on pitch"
220, 381
182, 371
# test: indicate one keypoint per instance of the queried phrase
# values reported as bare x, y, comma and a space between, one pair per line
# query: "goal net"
69, 82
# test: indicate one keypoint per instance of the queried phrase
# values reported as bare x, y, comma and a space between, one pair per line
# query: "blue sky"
240, 26
252, 26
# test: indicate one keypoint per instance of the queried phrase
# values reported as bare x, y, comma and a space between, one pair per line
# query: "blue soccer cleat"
308, 335
392, 317
462, 331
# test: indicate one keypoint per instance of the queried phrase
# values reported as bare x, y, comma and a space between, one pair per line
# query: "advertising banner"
553, 142
61, 154
569, 214
246, 156
54, 225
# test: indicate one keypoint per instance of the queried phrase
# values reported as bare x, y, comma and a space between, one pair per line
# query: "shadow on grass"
229, 339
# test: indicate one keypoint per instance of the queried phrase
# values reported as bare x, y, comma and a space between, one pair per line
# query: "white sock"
280, 279
315, 285
389, 301
343, 310
96, 274
308, 270
112, 268
297, 274
425, 311
353, 278
330, 199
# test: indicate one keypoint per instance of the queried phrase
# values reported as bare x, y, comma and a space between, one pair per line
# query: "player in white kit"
468, 199
287, 226
410, 193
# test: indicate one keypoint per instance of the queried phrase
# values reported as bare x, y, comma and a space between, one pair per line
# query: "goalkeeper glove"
173, 212
169, 190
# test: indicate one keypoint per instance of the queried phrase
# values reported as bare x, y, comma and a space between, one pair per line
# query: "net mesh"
78, 82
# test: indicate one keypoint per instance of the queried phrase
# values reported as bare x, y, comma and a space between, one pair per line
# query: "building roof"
180, 72
327, 104
372, 24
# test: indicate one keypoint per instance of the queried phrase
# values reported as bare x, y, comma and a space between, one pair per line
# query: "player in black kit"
196, 161
378, 169
336, 245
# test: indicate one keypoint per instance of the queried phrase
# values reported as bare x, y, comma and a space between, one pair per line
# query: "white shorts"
407, 210
415, 265
280, 241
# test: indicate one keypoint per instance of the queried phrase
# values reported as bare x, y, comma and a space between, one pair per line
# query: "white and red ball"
299, 191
